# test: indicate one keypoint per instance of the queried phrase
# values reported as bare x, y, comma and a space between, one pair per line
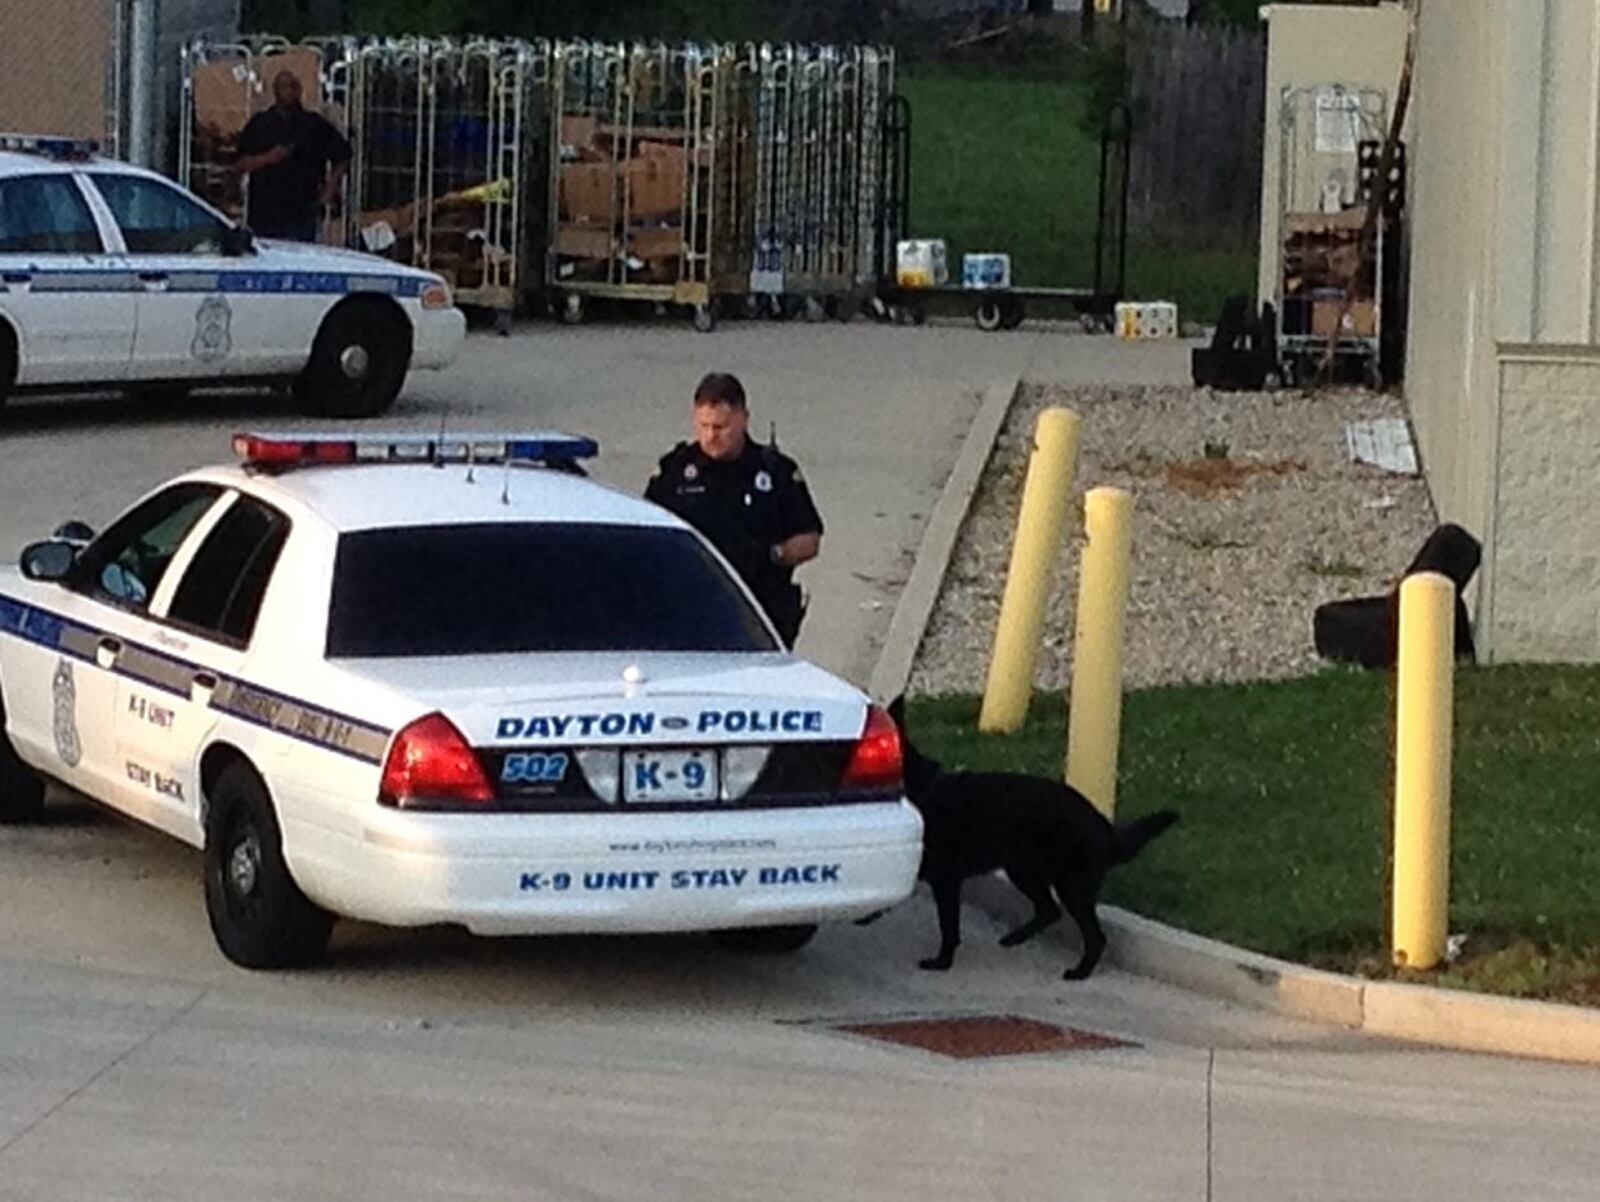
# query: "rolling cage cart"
450, 151
447, 146
811, 131
1005, 308
1329, 297
642, 200
225, 84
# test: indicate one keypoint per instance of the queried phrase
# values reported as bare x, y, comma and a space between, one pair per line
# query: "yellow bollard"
1424, 714
1045, 496
1094, 719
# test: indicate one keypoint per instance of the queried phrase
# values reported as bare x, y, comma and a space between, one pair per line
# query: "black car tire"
21, 788
8, 361
258, 914
766, 941
358, 362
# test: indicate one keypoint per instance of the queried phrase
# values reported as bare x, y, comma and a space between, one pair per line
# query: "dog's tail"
1132, 836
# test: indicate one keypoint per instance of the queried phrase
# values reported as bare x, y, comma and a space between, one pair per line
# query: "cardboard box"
1141, 321
665, 242
583, 241
578, 138
1360, 322
588, 193
986, 270
922, 263
655, 184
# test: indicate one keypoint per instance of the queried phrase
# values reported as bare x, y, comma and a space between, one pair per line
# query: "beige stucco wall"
1308, 46
1503, 369
52, 67
1544, 601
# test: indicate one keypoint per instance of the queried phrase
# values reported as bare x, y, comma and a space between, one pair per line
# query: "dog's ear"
897, 711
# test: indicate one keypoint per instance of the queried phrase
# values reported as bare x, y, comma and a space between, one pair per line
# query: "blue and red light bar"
328, 450
50, 147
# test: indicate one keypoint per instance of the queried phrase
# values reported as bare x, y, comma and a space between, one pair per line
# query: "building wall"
1503, 370
1546, 592
53, 59
1307, 46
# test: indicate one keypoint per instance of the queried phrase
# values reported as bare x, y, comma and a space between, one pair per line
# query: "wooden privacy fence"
1198, 95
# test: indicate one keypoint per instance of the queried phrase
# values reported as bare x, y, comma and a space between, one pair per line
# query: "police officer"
296, 162
748, 499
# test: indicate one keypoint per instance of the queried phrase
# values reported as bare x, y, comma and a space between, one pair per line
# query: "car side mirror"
237, 241
48, 560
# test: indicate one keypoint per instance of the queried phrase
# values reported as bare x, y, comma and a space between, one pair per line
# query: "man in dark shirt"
748, 499
296, 161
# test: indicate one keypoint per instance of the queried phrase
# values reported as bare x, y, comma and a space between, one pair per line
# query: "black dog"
1047, 837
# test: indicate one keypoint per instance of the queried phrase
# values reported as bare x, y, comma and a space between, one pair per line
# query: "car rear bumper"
438, 335
523, 874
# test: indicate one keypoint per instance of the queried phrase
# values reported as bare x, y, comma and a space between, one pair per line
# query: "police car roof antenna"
471, 463
774, 439
505, 489
438, 447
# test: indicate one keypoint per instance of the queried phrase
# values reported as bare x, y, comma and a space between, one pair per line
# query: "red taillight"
430, 764
286, 452
876, 764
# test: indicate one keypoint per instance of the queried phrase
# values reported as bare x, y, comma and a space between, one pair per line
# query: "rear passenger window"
45, 214
221, 593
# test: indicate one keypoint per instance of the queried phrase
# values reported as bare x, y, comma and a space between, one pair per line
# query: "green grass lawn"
1284, 791
1004, 165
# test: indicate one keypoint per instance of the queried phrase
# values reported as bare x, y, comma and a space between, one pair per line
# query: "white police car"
418, 680
111, 275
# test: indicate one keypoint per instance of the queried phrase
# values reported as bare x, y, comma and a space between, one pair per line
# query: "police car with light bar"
420, 680
114, 276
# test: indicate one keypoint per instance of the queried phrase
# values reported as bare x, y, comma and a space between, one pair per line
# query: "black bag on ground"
1366, 630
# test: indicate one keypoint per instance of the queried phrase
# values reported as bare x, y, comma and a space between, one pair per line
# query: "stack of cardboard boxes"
622, 195
1324, 276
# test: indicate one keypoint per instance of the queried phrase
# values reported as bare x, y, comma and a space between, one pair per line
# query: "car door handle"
17, 277
106, 652
201, 686
154, 277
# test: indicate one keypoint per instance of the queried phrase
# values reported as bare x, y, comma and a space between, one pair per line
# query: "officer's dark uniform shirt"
286, 193
743, 506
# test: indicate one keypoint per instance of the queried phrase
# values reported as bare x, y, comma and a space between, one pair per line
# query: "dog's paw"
1077, 973
936, 963
1013, 938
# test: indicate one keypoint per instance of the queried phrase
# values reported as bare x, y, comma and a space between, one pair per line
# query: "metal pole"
1423, 738
1094, 717
1036, 550
141, 82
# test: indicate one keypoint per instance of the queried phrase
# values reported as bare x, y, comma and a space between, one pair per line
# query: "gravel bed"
1248, 514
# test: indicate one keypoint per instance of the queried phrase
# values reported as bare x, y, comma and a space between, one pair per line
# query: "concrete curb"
1449, 1018
914, 609
1418, 1013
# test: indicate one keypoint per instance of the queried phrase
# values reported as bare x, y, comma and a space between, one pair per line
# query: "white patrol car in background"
417, 680
114, 276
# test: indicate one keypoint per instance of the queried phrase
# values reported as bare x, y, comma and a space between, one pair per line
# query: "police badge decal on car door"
213, 336
64, 692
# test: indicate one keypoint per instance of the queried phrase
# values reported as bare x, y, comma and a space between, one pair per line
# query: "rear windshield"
506, 587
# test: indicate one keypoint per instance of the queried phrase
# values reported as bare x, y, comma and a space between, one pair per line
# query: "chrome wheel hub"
355, 361
244, 866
